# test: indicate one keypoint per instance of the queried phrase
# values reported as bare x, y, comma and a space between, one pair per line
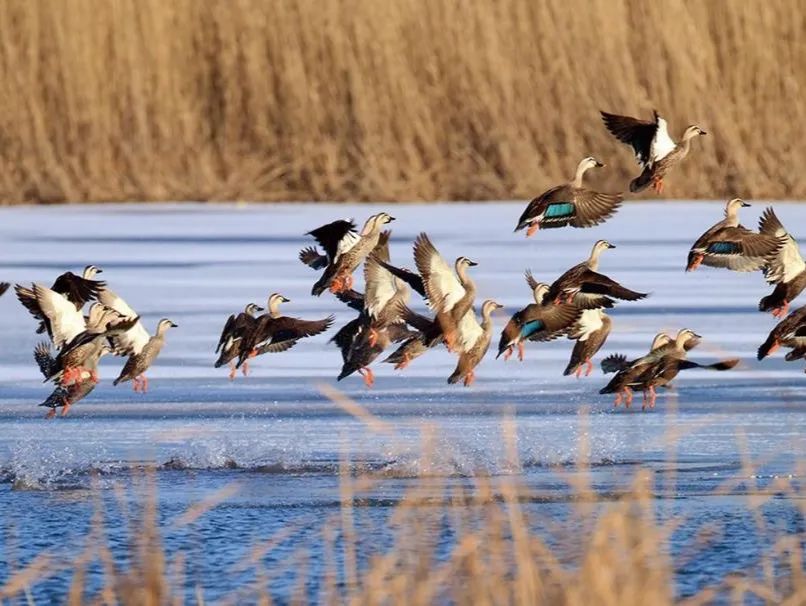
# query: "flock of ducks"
110, 326
572, 306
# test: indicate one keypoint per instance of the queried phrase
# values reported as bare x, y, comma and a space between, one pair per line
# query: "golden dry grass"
403, 100
618, 555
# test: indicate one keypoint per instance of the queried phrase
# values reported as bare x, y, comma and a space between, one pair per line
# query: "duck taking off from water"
569, 204
142, 356
786, 269
542, 320
81, 352
666, 358
450, 294
345, 250
76, 289
655, 150
381, 320
231, 339
730, 245
586, 288
77, 388
473, 341
273, 332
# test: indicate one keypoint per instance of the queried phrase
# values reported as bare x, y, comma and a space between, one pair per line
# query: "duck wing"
352, 299
721, 365
346, 335
589, 321
131, 341
229, 327
530, 280
737, 249
442, 287
409, 277
592, 208
4, 287
417, 321
568, 205
27, 297
594, 283
380, 286
311, 257
468, 331
276, 347
76, 289
45, 360
788, 262
400, 332
64, 320
336, 237
548, 322
552, 204
639, 134
286, 328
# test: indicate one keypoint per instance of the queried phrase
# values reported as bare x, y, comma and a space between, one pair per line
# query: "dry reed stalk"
619, 558
408, 100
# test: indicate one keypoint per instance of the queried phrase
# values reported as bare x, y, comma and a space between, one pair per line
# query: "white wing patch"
469, 331
112, 300
791, 260
349, 240
788, 264
445, 283
380, 288
589, 322
133, 340
662, 143
66, 321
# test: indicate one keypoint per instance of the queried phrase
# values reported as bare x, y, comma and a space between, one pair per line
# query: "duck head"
685, 336
90, 271
461, 264
732, 209
660, 340
693, 131
584, 165
488, 307
598, 249
252, 309
275, 299
164, 325
375, 223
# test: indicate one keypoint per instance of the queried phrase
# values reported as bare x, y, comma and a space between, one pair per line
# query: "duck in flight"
569, 204
655, 150
730, 245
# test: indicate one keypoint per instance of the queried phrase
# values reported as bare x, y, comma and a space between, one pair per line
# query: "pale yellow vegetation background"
390, 99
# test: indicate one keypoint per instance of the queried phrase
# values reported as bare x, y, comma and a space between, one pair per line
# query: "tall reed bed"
404, 100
